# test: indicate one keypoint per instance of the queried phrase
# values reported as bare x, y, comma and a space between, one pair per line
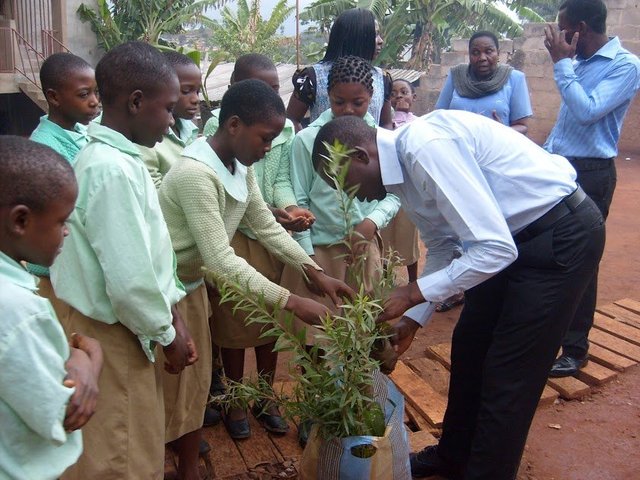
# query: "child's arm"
83, 370
284, 196
33, 354
135, 277
152, 162
301, 179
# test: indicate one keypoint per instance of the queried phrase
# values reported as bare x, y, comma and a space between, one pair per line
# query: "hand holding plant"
359, 239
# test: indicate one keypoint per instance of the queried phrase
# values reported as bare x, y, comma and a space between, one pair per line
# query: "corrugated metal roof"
218, 81
408, 75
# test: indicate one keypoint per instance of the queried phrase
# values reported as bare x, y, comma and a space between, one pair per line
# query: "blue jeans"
597, 177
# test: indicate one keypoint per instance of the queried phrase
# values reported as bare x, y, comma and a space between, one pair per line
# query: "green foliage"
334, 378
247, 32
119, 21
422, 29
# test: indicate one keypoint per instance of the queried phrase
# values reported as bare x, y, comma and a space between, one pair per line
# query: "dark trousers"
506, 340
597, 177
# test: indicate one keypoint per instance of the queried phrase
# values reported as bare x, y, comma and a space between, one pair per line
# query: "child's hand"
83, 369
359, 240
324, 284
298, 212
287, 221
185, 346
306, 309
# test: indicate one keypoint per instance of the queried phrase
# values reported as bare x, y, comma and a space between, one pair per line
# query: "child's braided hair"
351, 69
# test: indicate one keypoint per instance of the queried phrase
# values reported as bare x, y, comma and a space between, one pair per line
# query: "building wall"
529, 54
78, 36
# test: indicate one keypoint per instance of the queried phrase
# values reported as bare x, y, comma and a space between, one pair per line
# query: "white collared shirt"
469, 184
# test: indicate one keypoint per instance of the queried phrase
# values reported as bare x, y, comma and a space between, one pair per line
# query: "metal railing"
51, 45
20, 56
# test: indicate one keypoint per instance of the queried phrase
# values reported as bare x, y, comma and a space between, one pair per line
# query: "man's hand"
556, 43
403, 333
359, 240
306, 309
336, 289
83, 370
401, 300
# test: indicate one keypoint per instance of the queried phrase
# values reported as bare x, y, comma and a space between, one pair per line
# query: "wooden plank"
287, 444
569, 388
440, 352
432, 372
621, 314
629, 304
609, 359
548, 396
594, 374
416, 418
224, 455
621, 347
420, 440
258, 449
419, 394
617, 328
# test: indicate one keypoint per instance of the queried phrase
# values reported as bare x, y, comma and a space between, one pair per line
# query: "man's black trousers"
506, 340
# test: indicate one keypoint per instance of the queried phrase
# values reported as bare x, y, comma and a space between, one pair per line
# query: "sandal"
450, 303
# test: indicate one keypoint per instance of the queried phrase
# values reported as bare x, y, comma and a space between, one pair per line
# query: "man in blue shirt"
597, 87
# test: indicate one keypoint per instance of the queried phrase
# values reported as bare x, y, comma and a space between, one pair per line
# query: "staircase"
34, 92
24, 61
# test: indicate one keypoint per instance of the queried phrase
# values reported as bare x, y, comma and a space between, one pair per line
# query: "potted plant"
357, 413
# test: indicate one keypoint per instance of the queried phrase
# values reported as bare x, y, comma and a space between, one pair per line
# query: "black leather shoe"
212, 416
566, 366
272, 423
238, 429
428, 462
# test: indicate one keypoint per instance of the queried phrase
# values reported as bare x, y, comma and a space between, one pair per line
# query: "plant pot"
363, 457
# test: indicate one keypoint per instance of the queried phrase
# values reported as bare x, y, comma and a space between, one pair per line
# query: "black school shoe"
566, 366
272, 423
428, 462
237, 429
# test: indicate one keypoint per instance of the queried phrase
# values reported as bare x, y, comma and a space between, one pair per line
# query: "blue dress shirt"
596, 93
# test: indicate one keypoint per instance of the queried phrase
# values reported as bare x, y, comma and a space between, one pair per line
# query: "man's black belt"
566, 206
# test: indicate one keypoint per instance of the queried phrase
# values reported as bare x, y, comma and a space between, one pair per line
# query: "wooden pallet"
615, 347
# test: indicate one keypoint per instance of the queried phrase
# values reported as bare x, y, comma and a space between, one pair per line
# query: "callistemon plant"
333, 379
